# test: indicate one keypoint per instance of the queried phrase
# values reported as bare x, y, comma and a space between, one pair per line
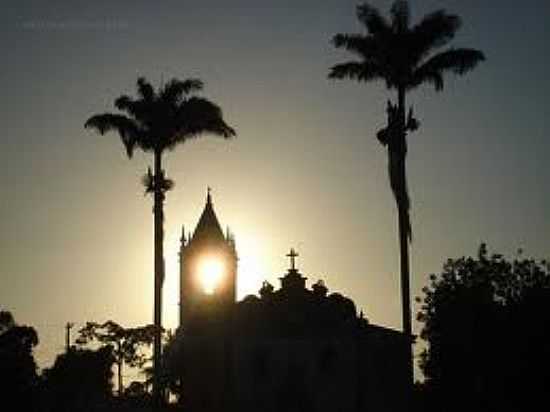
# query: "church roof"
296, 311
208, 227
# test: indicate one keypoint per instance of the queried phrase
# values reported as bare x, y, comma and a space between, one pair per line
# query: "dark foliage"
159, 120
18, 377
172, 365
487, 325
400, 54
404, 57
79, 380
127, 343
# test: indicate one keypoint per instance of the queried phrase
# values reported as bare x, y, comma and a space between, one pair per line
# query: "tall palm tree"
157, 121
405, 58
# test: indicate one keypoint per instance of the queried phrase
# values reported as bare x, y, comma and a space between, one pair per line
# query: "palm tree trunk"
159, 274
404, 233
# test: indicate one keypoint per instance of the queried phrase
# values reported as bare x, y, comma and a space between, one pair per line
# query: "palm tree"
404, 57
154, 122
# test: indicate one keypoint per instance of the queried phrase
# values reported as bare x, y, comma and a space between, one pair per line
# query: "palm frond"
361, 71
370, 16
139, 109
434, 30
458, 61
364, 46
127, 128
175, 89
148, 181
124, 103
159, 119
145, 90
198, 115
400, 16
135, 108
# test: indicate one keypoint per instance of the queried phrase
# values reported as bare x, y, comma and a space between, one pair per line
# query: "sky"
305, 171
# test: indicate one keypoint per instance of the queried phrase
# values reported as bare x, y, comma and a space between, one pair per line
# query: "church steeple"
208, 247
209, 227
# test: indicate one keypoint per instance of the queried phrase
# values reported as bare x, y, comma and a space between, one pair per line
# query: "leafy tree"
136, 397
127, 343
266, 291
172, 362
155, 122
487, 325
79, 380
6, 321
18, 377
404, 57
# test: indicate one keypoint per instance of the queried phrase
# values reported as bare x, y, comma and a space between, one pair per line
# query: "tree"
403, 57
487, 326
6, 321
79, 380
127, 343
155, 122
172, 362
18, 377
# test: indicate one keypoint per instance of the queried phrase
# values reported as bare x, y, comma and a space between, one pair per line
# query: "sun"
210, 273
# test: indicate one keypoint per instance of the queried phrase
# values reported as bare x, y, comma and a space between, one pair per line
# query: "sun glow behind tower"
250, 270
211, 272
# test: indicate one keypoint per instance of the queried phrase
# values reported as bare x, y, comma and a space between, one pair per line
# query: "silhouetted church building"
291, 349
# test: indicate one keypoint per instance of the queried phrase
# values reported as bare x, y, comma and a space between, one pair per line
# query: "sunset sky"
76, 239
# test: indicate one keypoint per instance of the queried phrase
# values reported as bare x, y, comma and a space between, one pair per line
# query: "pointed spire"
182, 238
230, 238
208, 226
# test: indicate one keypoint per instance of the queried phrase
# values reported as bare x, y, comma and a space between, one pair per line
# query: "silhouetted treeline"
19, 381
487, 326
127, 344
486, 323
81, 378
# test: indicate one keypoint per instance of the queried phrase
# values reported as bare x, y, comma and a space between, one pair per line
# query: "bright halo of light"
210, 272
251, 272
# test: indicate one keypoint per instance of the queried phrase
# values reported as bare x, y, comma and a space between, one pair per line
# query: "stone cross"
292, 255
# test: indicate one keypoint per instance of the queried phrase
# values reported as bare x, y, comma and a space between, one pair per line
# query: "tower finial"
209, 195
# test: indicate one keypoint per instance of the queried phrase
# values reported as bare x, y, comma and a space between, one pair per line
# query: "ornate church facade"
291, 349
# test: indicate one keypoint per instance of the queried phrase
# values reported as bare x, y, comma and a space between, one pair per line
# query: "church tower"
208, 268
